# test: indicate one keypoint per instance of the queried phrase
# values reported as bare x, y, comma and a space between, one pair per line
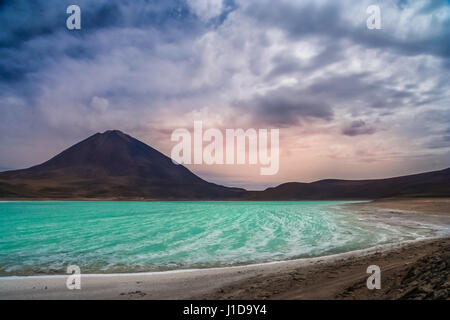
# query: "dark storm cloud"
435, 116
285, 107
331, 21
23, 20
358, 127
364, 90
284, 64
357, 90
431, 129
431, 6
33, 33
287, 63
439, 142
298, 21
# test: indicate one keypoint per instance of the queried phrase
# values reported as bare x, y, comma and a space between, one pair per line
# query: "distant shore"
425, 205
415, 270
435, 206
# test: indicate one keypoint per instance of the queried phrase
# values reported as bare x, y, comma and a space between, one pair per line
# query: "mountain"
110, 165
113, 165
430, 184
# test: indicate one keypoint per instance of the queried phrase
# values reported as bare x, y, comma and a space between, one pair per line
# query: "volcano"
110, 165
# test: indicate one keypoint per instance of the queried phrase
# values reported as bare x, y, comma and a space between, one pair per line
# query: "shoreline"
326, 258
178, 200
312, 278
413, 269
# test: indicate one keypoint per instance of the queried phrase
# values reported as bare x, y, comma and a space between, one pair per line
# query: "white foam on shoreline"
301, 261
441, 231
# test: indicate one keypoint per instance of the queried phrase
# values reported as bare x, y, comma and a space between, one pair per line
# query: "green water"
46, 237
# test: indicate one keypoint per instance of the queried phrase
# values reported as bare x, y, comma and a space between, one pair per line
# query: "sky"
350, 102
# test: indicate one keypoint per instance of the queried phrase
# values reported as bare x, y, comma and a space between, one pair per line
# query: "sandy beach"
416, 270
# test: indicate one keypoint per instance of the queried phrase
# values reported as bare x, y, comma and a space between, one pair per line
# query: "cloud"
411, 28
145, 66
206, 9
285, 106
356, 128
99, 104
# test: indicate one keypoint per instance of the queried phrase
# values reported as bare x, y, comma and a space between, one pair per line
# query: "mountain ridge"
114, 165
426, 184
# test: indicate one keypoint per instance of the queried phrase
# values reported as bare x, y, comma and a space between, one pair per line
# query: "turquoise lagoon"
44, 237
